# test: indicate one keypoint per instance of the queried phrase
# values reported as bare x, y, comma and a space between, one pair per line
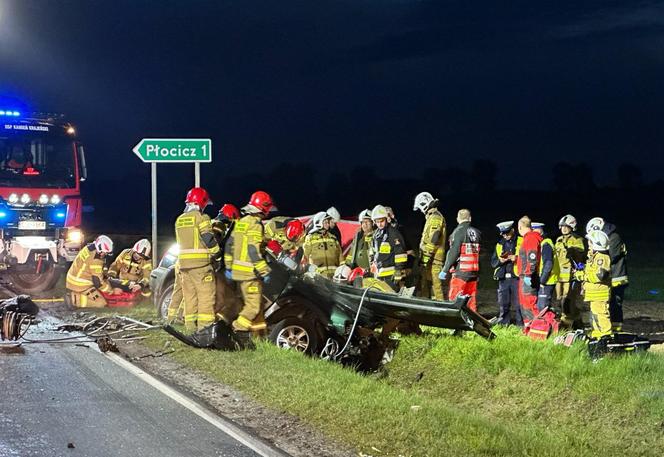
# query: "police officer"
432, 246
596, 279
321, 248
245, 264
388, 255
503, 262
198, 250
358, 255
549, 269
570, 252
463, 260
133, 267
85, 278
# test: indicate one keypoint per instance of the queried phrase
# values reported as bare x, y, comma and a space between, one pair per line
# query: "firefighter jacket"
358, 256
388, 252
198, 247
596, 277
432, 242
569, 250
463, 258
243, 253
549, 269
504, 248
528, 260
87, 271
275, 229
322, 249
221, 229
126, 269
618, 254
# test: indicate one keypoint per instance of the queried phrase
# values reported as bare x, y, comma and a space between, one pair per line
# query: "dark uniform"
508, 281
388, 254
619, 280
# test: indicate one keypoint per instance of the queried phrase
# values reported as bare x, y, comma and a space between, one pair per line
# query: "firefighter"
222, 225
198, 251
335, 219
358, 255
226, 295
388, 256
549, 269
133, 267
287, 231
432, 246
463, 259
503, 262
570, 252
246, 265
85, 278
527, 267
597, 279
321, 248
619, 279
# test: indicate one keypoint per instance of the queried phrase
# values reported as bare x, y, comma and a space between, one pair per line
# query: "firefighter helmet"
294, 229
334, 214
229, 212
103, 244
198, 196
568, 220
317, 221
366, 214
596, 223
379, 212
424, 201
341, 274
262, 201
142, 248
599, 241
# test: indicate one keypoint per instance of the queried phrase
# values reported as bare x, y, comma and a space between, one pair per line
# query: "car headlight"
74, 236
55, 199
43, 199
174, 250
13, 198
25, 199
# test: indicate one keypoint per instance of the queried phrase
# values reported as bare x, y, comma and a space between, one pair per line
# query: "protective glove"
228, 275
267, 279
527, 280
442, 275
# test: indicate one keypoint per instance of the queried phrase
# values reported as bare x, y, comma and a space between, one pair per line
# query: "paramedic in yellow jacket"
432, 246
198, 252
245, 264
321, 248
85, 278
596, 279
133, 267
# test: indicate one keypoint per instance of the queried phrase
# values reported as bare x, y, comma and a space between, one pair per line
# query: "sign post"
171, 150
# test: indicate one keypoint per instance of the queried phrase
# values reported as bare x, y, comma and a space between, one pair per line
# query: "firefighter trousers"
527, 301
600, 318
198, 292
251, 318
175, 307
568, 296
228, 305
430, 284
459, 286
616, 306
508, 299
90, 298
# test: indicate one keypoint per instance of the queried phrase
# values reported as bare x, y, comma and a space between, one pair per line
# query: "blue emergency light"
3, 214
59, 214
9, 113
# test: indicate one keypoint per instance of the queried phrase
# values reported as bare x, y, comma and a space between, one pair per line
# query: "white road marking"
230, 429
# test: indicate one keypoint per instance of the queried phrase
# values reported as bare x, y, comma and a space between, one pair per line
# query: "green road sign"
183, 150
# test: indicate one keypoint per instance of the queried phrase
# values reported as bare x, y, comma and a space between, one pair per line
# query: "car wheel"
294, 333
164, 301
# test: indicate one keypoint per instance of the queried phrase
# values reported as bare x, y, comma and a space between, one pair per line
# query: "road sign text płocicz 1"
183, 150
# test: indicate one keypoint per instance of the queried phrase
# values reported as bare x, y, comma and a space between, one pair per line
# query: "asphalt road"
57, 394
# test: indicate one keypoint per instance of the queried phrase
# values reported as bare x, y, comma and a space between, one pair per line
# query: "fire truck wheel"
30, 283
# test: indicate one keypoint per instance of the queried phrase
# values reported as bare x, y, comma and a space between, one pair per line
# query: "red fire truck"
42, 166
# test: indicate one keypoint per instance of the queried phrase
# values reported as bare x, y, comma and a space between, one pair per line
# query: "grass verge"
458, 396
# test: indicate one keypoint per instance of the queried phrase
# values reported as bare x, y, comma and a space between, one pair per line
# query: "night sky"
400, 85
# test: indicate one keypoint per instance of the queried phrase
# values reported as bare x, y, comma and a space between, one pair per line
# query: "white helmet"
317, 221
341, 274
599, 241
143, 248
366, 214
567, 220
423, 201
379, 212
334, 214
103, 244
596, 223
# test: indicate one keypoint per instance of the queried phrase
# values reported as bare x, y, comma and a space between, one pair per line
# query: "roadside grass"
456, 395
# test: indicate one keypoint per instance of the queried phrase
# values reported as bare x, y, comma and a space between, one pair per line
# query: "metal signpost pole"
197, 174
153, 184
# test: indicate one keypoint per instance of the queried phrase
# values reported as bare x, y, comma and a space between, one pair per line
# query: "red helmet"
358, 272
230, 212
274, 247
198, 196
294, 229
262, 201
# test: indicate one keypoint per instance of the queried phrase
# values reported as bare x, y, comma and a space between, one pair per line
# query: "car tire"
164, 301
296, 333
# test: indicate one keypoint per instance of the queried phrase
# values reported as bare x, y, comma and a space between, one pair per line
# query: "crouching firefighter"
85, 278
132, 267
245, 264
198, 252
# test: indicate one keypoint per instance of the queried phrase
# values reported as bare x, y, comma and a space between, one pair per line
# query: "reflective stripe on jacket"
549, 269
597, 277
434, 234
85, 266
569, 250
190, 229
125, 268
243, 253
322, 249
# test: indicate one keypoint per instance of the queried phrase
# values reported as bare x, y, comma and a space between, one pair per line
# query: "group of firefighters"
532, 271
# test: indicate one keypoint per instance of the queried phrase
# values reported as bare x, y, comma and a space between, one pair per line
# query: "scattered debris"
106, 344
16, 316
70, 445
